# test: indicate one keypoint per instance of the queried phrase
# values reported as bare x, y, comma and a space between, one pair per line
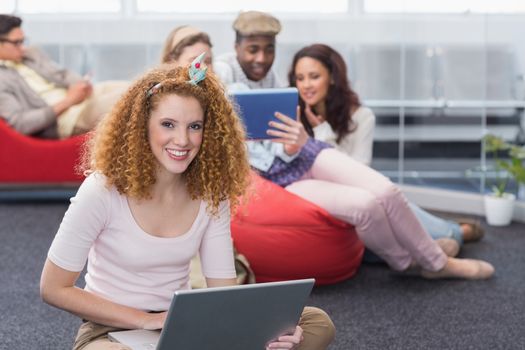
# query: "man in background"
250, 66
39, 98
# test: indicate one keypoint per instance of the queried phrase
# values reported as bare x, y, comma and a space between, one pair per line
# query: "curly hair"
120, 147
341, 100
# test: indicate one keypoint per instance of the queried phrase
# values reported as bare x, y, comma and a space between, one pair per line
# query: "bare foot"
462, 268
466, 232
449, 246
471, 230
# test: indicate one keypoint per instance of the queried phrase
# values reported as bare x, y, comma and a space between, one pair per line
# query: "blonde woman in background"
184, 43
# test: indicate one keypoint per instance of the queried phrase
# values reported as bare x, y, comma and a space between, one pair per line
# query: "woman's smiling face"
312, 79
175, 131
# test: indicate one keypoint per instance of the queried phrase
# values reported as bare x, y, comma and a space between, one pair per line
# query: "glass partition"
505, 89
441, 137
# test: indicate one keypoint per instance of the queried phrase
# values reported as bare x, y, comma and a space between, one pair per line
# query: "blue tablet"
257, 107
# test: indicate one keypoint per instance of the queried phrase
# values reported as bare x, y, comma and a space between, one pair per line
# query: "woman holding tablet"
359, 195
332, 112
164, 167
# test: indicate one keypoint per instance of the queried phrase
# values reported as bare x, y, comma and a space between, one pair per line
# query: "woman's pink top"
127, 265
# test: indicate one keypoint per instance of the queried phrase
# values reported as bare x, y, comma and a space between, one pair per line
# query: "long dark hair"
341, 100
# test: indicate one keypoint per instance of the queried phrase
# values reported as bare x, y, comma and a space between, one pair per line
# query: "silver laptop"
233, 318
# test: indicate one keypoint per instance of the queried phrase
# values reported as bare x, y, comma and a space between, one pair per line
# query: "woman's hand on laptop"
286, 342
154, 320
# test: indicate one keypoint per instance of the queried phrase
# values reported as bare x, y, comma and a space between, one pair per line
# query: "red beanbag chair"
30, 160
286, 237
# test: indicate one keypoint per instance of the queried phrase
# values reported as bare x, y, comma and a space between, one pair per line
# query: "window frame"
467, 10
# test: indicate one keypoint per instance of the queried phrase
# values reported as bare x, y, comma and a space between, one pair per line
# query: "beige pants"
318, 332
84, 117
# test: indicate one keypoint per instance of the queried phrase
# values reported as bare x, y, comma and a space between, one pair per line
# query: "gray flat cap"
256, 23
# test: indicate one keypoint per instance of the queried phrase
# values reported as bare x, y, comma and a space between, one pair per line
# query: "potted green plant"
499, 204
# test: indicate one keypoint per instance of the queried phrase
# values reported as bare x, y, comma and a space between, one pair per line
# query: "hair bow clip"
153, 90
197, 69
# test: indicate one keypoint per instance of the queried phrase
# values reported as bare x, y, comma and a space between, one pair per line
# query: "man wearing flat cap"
250, 65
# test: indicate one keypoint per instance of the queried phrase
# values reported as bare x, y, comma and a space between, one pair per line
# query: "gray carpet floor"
377, 309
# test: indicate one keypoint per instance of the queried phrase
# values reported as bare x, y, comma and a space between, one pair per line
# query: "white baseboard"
454, 201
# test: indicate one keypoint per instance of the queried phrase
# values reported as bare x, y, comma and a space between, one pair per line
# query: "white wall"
340, 31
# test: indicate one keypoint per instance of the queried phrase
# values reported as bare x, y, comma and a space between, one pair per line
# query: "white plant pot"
499, 210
